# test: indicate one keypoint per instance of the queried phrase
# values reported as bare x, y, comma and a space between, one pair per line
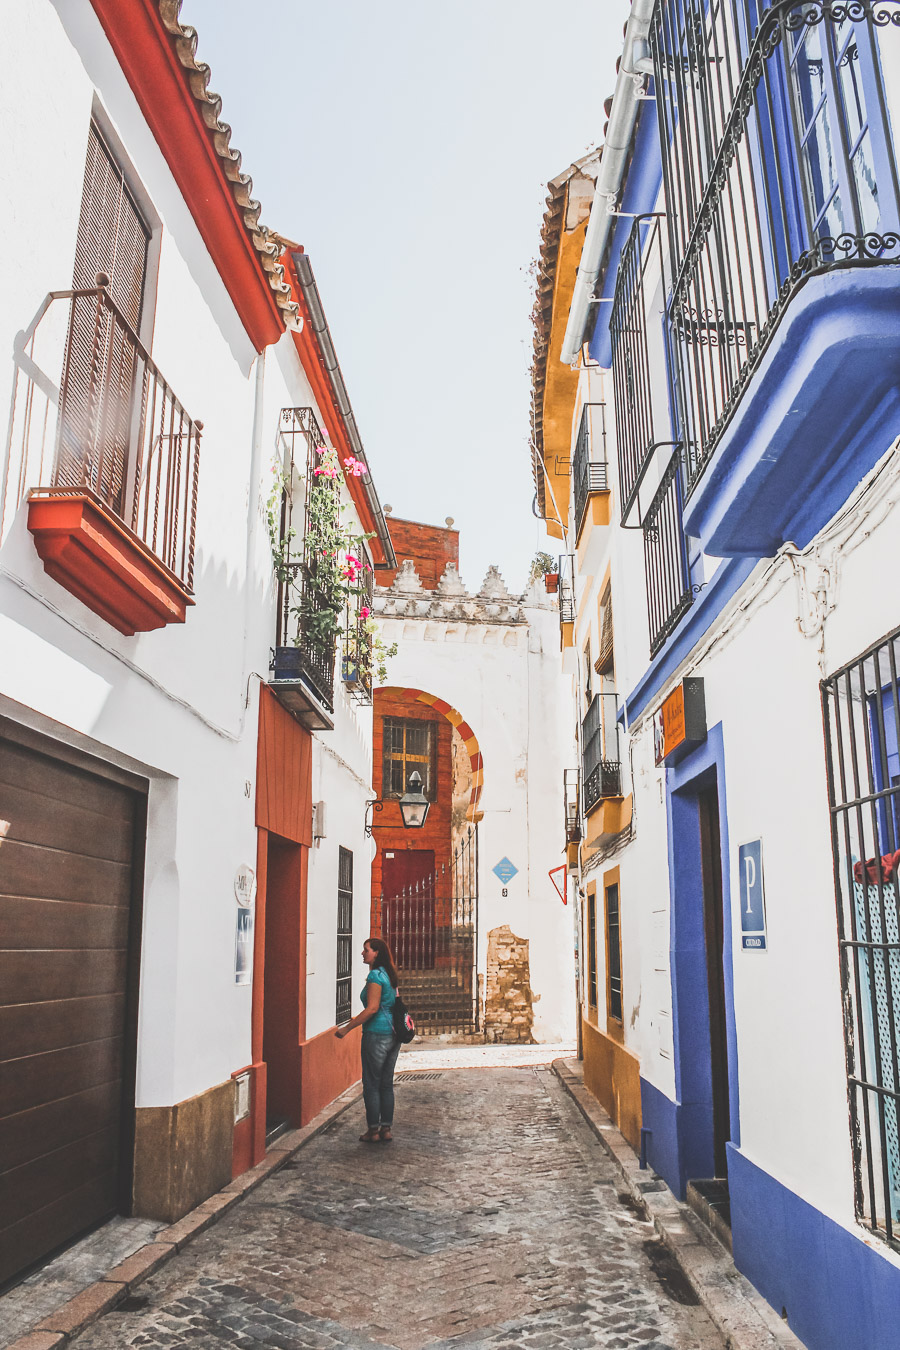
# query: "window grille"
344, 997
592, 948
357, 644
669, 593
407, 746
601, 767
589, 463
566, 592
613, 955
861, 709
778, 163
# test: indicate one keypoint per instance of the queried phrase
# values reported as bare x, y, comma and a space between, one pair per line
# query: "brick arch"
470, 740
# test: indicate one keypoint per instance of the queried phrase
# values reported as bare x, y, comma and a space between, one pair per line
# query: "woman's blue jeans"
379, 1056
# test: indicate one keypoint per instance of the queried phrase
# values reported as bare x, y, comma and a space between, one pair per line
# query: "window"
344, 998
861, 706
588, 674
604, 662
613, 955
592, 948
408, 747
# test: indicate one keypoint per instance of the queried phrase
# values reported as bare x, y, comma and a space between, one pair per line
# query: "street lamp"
414, 804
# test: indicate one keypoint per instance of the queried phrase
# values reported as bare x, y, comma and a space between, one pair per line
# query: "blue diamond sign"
505, 870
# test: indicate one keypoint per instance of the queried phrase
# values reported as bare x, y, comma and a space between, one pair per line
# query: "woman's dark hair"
384, 960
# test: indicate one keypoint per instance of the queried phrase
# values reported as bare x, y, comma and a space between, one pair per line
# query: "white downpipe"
622, 117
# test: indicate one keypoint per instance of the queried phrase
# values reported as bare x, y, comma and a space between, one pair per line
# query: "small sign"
245, 885
243, 946
505, 870
561, 889
679, 724
753, 907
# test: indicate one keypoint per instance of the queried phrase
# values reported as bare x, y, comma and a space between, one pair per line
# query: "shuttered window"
98, 383
604, 664
344, 936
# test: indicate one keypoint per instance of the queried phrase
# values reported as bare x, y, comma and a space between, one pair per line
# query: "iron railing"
357, 644
112, 428
344, 963
776, 166
601, 764
572, 805
431, 927
669, 592
306, 626
566, 591
589, 461
861, 709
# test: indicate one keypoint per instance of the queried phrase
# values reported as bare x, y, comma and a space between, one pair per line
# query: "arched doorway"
425, 882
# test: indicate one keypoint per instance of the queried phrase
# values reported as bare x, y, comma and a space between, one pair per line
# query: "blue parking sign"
753, 907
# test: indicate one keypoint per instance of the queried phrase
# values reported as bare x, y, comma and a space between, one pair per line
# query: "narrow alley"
494, 1219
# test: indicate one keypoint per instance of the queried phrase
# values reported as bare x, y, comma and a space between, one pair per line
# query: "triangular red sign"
552, 875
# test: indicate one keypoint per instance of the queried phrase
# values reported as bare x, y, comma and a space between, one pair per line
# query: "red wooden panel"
284, 773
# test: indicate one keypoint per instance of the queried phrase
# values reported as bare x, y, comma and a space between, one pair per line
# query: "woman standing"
380, 1046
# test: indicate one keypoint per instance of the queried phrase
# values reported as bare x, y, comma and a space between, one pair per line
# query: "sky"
407, 145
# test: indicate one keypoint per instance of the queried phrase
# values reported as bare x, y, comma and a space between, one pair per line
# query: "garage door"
67, 841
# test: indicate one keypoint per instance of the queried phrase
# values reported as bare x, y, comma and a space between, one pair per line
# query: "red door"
408, 906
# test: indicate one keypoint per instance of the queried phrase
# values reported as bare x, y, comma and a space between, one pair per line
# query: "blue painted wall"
839, 1292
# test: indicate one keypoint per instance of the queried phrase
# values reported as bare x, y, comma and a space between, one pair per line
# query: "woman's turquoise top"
382, 1024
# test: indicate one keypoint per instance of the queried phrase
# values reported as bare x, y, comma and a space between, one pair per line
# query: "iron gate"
861, 706
432, 930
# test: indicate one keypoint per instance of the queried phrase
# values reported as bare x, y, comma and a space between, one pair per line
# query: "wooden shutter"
100, 369
604, 662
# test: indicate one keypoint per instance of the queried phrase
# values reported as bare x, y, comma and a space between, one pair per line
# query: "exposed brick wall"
508, 1000
430, 547
387, 826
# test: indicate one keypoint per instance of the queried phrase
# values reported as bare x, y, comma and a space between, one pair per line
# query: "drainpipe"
623, 114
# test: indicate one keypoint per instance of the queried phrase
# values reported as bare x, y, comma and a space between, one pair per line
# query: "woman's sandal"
384, 1135
371, 1136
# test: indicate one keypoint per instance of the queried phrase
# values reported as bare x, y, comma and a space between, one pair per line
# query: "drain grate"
415, 1077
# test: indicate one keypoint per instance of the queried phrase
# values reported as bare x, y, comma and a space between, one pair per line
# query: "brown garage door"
67, 842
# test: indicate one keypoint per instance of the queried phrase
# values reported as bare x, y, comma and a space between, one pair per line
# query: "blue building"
736, 312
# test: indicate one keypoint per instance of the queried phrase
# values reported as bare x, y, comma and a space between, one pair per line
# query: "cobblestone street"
492, 1220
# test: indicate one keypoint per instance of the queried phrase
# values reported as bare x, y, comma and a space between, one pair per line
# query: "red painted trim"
146, 53
93, 555
314, 368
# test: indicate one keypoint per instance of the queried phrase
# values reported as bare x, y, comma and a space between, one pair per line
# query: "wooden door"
67, 862
408, 906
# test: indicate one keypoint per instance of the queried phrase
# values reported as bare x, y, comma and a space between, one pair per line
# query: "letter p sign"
753, 912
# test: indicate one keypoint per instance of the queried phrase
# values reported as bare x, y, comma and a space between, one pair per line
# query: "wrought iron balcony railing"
112, 428
778, 165
357, 645
572, 805
566, 592
601, 767
589, 462
306, 635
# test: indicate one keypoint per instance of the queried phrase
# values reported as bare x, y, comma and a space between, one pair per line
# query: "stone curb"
74, 1316
739, 1311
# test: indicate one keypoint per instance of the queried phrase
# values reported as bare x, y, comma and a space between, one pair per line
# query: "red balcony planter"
551, 582
87, 549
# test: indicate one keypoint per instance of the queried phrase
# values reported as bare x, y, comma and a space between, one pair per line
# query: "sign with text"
753, 906
679, 723
505, 870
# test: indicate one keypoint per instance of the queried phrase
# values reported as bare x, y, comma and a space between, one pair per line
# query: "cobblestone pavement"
491, 1220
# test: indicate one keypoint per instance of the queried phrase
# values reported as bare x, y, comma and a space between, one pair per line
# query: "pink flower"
364, 612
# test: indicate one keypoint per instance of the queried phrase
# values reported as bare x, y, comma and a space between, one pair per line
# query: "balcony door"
101, 364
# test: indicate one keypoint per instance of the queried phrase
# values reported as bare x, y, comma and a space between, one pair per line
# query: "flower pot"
350, 670
288, 663
551, 582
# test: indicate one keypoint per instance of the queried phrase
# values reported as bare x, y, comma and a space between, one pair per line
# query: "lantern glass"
414, 804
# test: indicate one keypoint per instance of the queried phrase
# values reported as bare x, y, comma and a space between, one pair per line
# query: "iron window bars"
302, 595
592, 949
589, 462
861, 711
601, 767
613, 954
407, 745
344, 991
572, 805
775, 167
120, 435
641, 403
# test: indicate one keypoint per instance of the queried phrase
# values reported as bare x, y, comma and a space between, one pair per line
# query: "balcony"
108, 461
358, 645
308, 606
572, 814
590, 483
601, 766
783, 317
566, 599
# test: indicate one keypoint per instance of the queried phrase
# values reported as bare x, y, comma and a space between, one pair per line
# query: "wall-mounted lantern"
414, 804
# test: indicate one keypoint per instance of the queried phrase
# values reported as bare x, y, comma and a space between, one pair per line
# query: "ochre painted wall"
613, 1075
